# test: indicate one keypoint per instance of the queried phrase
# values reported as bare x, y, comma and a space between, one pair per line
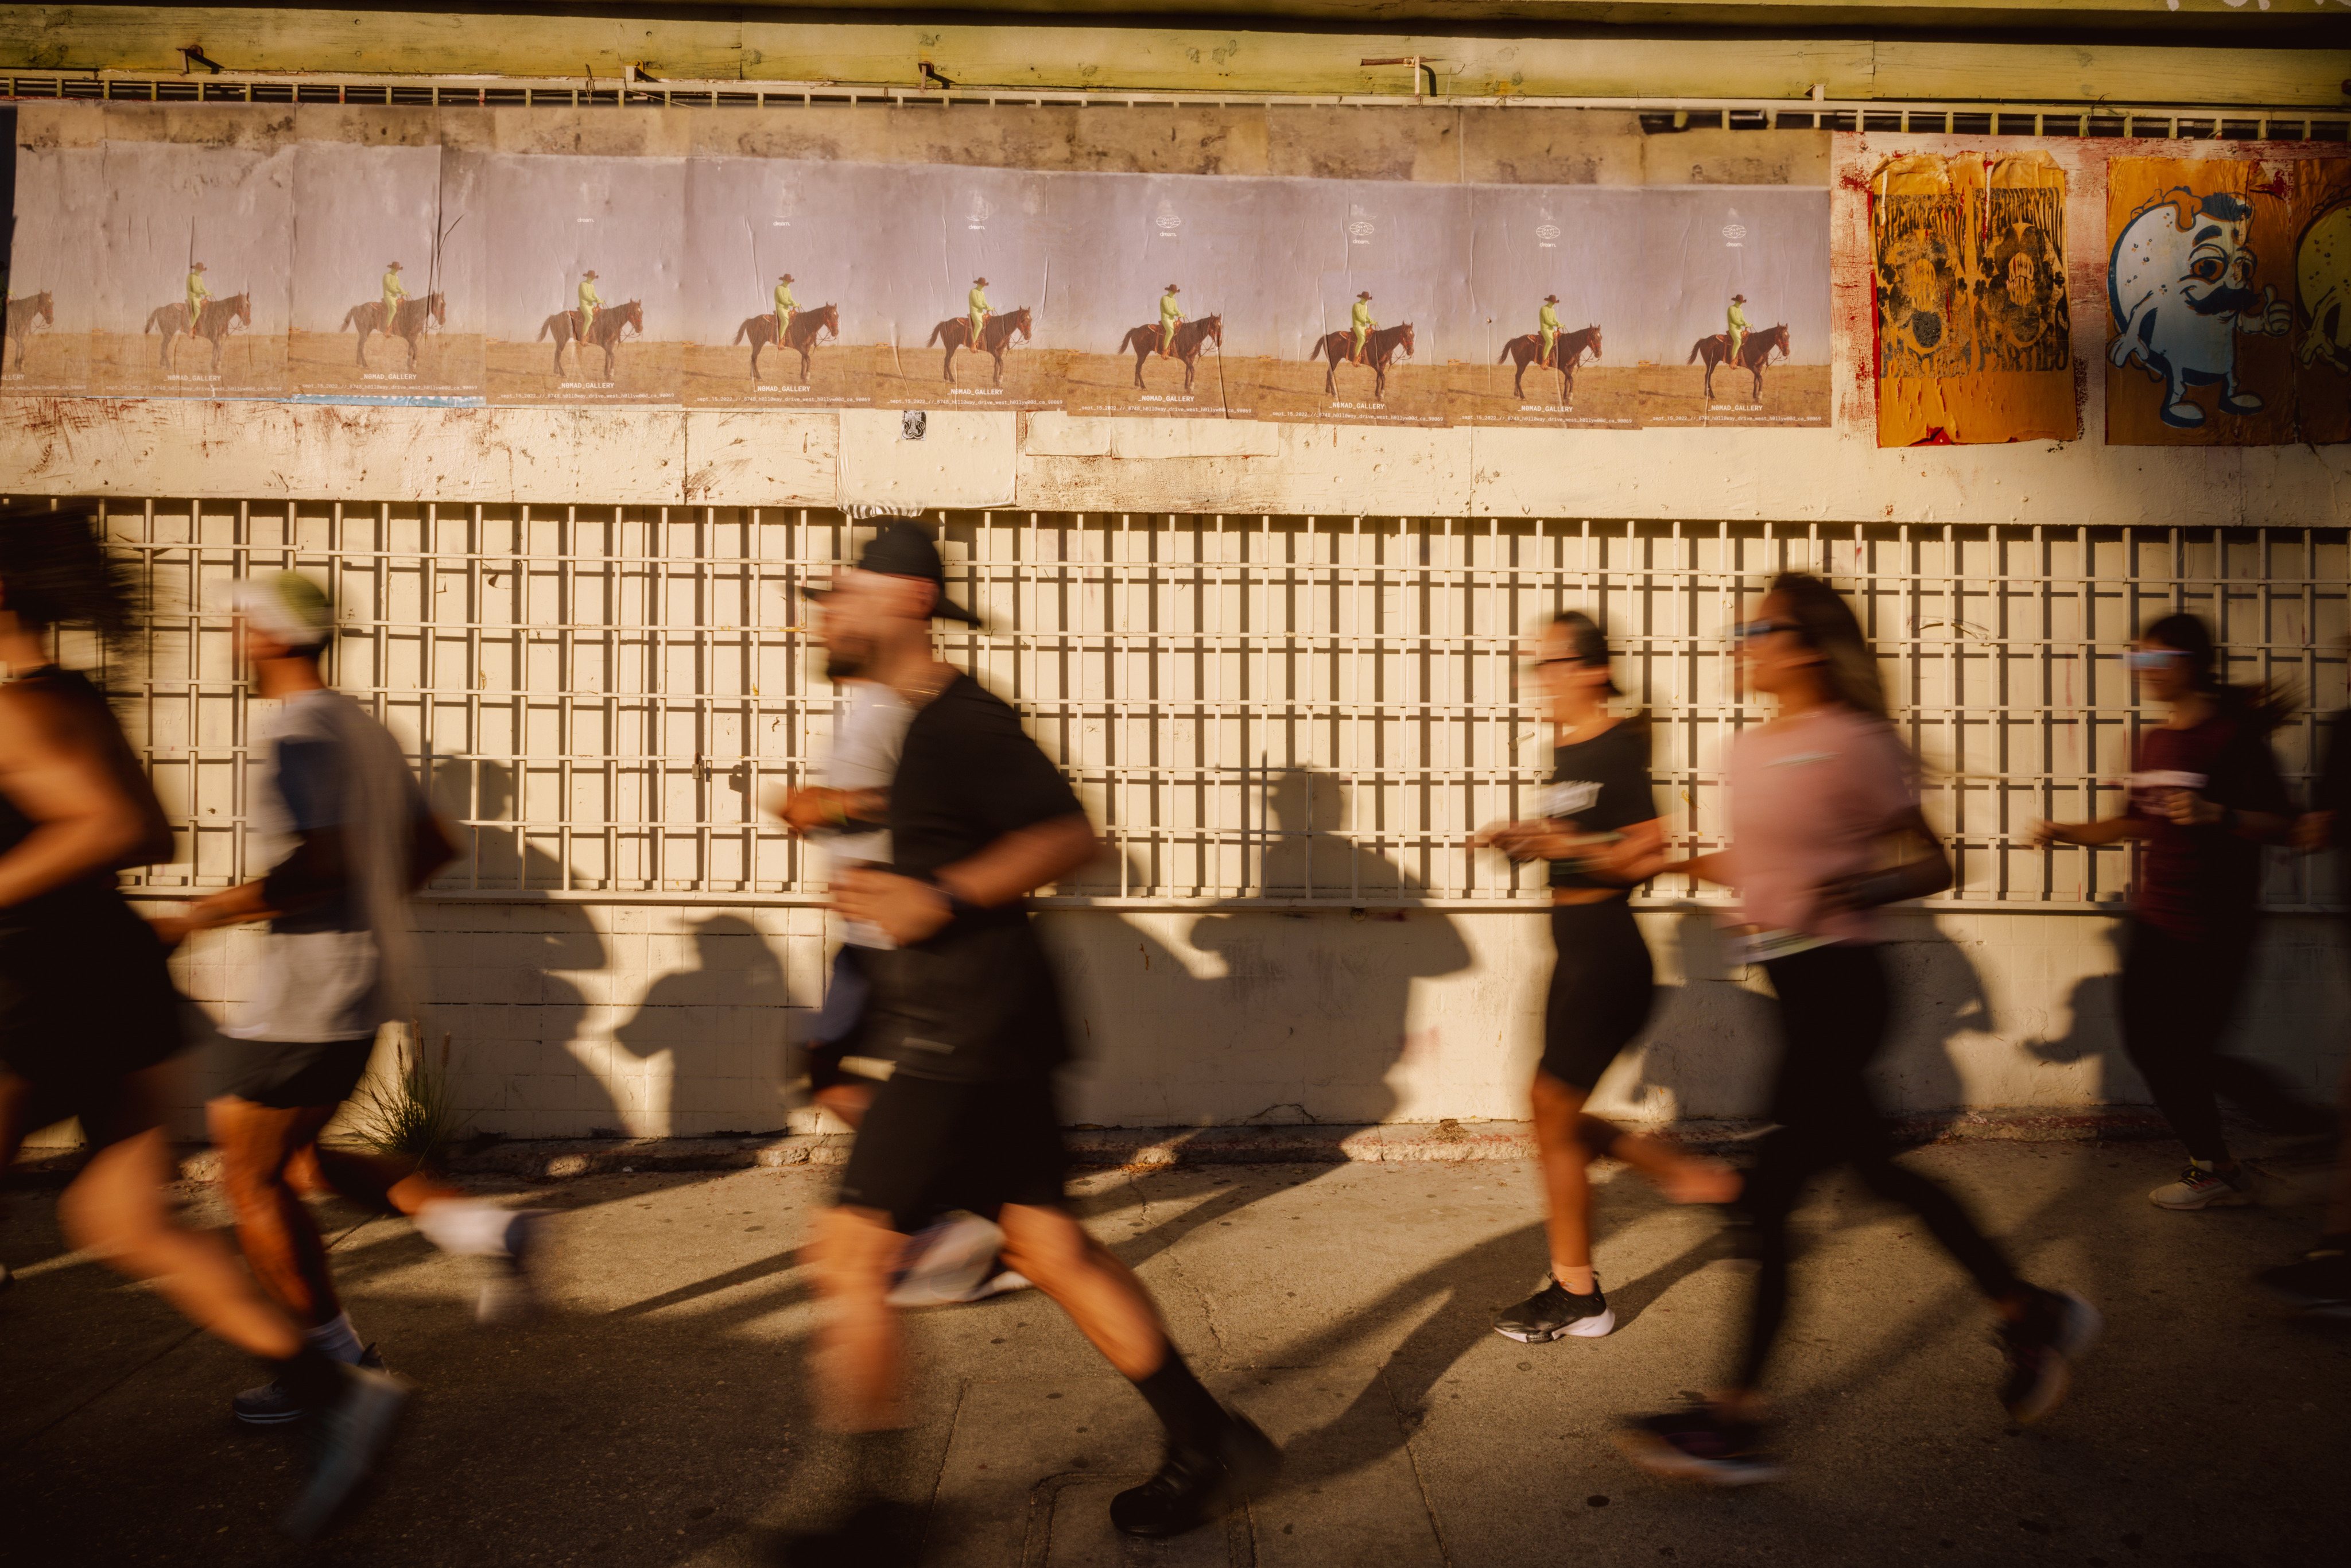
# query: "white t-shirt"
868, 733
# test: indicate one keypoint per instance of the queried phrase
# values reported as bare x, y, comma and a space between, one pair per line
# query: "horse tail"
1694, 349
932, 340
1315, 352
1506, 351
347, 315
152, 316
741, 332
544, 328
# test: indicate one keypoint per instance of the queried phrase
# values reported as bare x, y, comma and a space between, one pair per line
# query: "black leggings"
2178, 996
1834, 1006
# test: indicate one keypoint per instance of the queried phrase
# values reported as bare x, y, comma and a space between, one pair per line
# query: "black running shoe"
272, 1405
1193, 1487
1555, 1312
1697, 1444
2056, 1328
2320, 1284
352, 1432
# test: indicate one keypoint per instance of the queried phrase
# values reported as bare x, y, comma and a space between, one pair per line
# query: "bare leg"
859, 1355
1566, 1178
116, 1208
258, 1145
1101, 1294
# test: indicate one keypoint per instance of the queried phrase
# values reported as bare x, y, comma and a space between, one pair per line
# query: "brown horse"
1752, 353
994, 338
211, 322
801, 340
604, 334
407, 324
1566, 350
1380, 346
1191, 336
22, 314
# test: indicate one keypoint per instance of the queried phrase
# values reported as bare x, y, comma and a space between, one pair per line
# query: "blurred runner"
2205, 796
1824, 827
967, 1009
336, 808
2319, 1282
952, 1258
89, 1017
1601, 984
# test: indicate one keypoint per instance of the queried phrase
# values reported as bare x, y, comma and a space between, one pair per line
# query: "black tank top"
70, 688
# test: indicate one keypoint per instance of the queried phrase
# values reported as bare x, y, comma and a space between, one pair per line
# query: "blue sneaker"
352, 1432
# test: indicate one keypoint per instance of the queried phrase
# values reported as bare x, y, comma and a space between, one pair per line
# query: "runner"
89, 1018
353, 837
967, 1009
1825, 827
2319, 1282
954, 1257
2205, 796
1601, 984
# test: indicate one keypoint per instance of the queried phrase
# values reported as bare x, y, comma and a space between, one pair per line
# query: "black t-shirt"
1601, 786
977, 1001
2333, 792
968, 773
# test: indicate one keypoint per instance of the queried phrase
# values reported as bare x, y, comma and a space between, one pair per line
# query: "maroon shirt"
2202, 882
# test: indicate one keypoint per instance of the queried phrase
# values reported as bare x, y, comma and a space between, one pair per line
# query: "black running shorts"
926, 1145
1602, 987
292, 1074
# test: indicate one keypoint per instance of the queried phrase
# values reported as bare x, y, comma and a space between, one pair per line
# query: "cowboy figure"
1547, 323
590, 301
393, 293
1170, 314
1738, 332
1364, 324
197, 294
784, 305
978, 305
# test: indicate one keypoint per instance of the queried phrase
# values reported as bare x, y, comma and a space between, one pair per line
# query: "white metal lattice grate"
1271, 709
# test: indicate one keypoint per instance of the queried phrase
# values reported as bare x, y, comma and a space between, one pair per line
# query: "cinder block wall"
674, 1019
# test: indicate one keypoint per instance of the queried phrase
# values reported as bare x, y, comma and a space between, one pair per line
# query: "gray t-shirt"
867, 737
321, 761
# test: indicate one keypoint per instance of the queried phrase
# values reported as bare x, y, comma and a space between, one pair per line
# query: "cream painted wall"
672, 1020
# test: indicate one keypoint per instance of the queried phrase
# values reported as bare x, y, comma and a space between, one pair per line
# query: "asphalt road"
659, 1415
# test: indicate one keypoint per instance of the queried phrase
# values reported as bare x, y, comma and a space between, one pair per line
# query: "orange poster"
2322, 282
1974, 333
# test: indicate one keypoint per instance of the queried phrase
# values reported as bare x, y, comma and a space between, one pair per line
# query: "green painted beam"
773, 43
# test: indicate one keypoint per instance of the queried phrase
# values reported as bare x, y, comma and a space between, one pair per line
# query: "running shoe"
2042, 1347
1697, 1444
512, 1292
271, 1406
1194, 1486
998, 1283
2200, 1188
1555, 1312
2319, 1285
352, 1432
945, 1261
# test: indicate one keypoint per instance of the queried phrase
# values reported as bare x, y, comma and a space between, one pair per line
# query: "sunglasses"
2152, 658
1748, 631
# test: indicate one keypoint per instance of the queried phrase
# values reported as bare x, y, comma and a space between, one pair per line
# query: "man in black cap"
966, 1011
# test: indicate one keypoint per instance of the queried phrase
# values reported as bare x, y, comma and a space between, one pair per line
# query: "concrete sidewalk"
661, 1415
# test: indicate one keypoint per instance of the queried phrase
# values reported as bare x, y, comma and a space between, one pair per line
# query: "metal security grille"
1280, 710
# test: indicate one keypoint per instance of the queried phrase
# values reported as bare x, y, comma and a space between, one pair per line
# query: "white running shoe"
2200, 1189
946, 1261
512, 1294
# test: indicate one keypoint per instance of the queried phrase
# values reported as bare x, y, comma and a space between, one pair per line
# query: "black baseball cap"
901, 546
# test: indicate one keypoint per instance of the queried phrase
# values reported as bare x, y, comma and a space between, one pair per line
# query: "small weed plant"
415, 1115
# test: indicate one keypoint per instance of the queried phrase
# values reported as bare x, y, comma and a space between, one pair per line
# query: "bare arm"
315, 871
2106, 830
1008, 870
84, 820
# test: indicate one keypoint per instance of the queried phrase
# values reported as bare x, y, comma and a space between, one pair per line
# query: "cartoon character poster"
2200, 294
2322, 283
1968, 276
